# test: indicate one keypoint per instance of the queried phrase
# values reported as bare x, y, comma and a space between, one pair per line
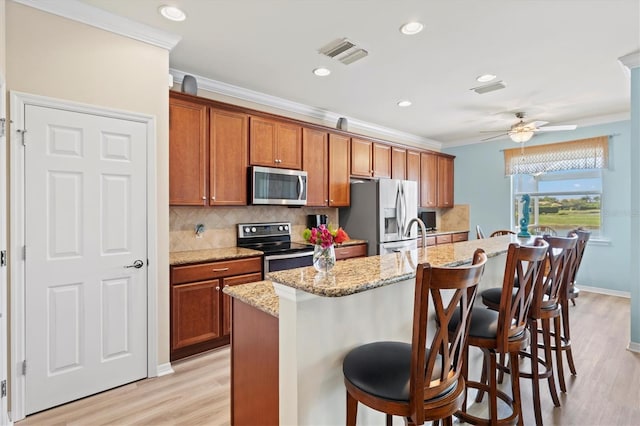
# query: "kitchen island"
322, 317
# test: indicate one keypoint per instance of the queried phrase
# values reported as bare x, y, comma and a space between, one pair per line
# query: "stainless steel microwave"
278, 186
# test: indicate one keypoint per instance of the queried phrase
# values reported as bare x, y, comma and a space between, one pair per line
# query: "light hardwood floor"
606, 390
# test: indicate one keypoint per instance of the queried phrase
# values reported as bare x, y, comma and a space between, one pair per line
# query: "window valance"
591, 153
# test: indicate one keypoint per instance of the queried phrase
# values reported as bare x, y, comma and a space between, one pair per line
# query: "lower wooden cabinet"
200, 312
351, 251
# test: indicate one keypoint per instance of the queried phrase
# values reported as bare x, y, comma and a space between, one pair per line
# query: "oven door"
280, 262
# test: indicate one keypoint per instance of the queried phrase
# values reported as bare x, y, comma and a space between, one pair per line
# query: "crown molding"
632, 60
87, 14
237, 92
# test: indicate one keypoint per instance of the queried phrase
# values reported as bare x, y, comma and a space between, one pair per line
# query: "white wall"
56, 57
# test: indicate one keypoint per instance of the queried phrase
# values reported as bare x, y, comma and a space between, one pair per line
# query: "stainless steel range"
274, 240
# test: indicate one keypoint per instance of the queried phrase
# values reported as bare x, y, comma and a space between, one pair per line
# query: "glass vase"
324, 258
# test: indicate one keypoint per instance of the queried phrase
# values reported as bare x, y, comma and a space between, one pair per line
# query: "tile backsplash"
220, 223
454, 219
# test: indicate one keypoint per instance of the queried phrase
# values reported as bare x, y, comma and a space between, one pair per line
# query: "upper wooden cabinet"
428, 180
228, 158
315, 161
339, 159
188, 139
413, 169
399, 163
370, 159
207, 155
437, 180
445, 181
275, 144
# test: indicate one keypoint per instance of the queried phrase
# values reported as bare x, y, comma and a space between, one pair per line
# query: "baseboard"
164, 369
605, 291
634, 347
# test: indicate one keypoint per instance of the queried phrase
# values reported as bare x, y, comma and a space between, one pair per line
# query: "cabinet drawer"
443, 239
348, 252
459, 236
431, 241
207, 271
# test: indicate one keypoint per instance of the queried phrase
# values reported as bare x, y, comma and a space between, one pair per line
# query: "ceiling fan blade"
493, 137
557, 128
536, 124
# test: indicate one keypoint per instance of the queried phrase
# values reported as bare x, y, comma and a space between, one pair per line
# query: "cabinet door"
429, 180
381, 160
195, 313
361, 158
228, 158
445, 181
289, 146
339, 157
413, 170
399, 163
187, 153
262, 140
315, 161
226, 300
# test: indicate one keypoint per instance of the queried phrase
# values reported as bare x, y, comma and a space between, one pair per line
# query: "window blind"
591, 153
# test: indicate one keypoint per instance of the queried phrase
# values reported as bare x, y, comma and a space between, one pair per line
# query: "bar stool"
504, 331
500, 232
570, 292
409, 379
544, 307
479, 232
542, 230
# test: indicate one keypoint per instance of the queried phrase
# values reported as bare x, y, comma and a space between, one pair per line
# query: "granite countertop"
360, 274
210, 255
438, 232
260, 294
350, 242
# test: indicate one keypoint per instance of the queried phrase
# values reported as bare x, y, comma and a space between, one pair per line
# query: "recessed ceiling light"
322, 71
404, 103
172, 13
411, 28
485, 78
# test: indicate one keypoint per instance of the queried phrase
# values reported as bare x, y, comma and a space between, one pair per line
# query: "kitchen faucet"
423, 230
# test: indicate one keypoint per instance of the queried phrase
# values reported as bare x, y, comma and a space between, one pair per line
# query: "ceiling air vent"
343, 50
489, 87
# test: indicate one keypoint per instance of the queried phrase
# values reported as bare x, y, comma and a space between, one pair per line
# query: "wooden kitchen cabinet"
436, 184
428, 180
459, 236
315, 161
413, 169
370, 159
399, 163
199, 310
188, 165
445, 181
275, 144
339, 160
207, 154
351, 251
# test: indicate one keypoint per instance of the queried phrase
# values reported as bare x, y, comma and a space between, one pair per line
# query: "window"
563, 200
564, 183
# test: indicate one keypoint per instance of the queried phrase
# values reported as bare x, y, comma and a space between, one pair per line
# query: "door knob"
136, 264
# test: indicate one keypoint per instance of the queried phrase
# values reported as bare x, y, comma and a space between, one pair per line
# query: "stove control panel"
252, 230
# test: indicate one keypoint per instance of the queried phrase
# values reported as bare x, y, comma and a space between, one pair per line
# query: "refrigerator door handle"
403, 221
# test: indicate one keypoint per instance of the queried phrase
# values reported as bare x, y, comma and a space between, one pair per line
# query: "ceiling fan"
522, 132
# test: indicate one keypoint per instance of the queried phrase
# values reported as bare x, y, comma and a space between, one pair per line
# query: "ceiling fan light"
172, 13
521, 136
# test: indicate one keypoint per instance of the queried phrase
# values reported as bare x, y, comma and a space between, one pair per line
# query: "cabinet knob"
213, 198
204, 198
218, 288
332, 201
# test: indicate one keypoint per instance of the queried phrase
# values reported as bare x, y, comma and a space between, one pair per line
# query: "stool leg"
567, 336
465, 374
535, 376
546, 338
352, 410
515, 385
559, 366
493, 388
483, 377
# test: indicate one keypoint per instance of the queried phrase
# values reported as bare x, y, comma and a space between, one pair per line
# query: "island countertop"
259, 294
361, 274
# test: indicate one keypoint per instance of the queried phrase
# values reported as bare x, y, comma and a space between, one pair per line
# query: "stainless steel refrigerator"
380, 212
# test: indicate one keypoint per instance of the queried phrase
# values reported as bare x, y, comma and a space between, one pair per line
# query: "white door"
85, 224
3, 256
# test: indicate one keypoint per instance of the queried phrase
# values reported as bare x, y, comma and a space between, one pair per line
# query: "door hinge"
3, 389
24, 367
22, 132
3, 127
3, 258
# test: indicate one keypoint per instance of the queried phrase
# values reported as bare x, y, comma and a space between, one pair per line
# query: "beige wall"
56, 57
3, 38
